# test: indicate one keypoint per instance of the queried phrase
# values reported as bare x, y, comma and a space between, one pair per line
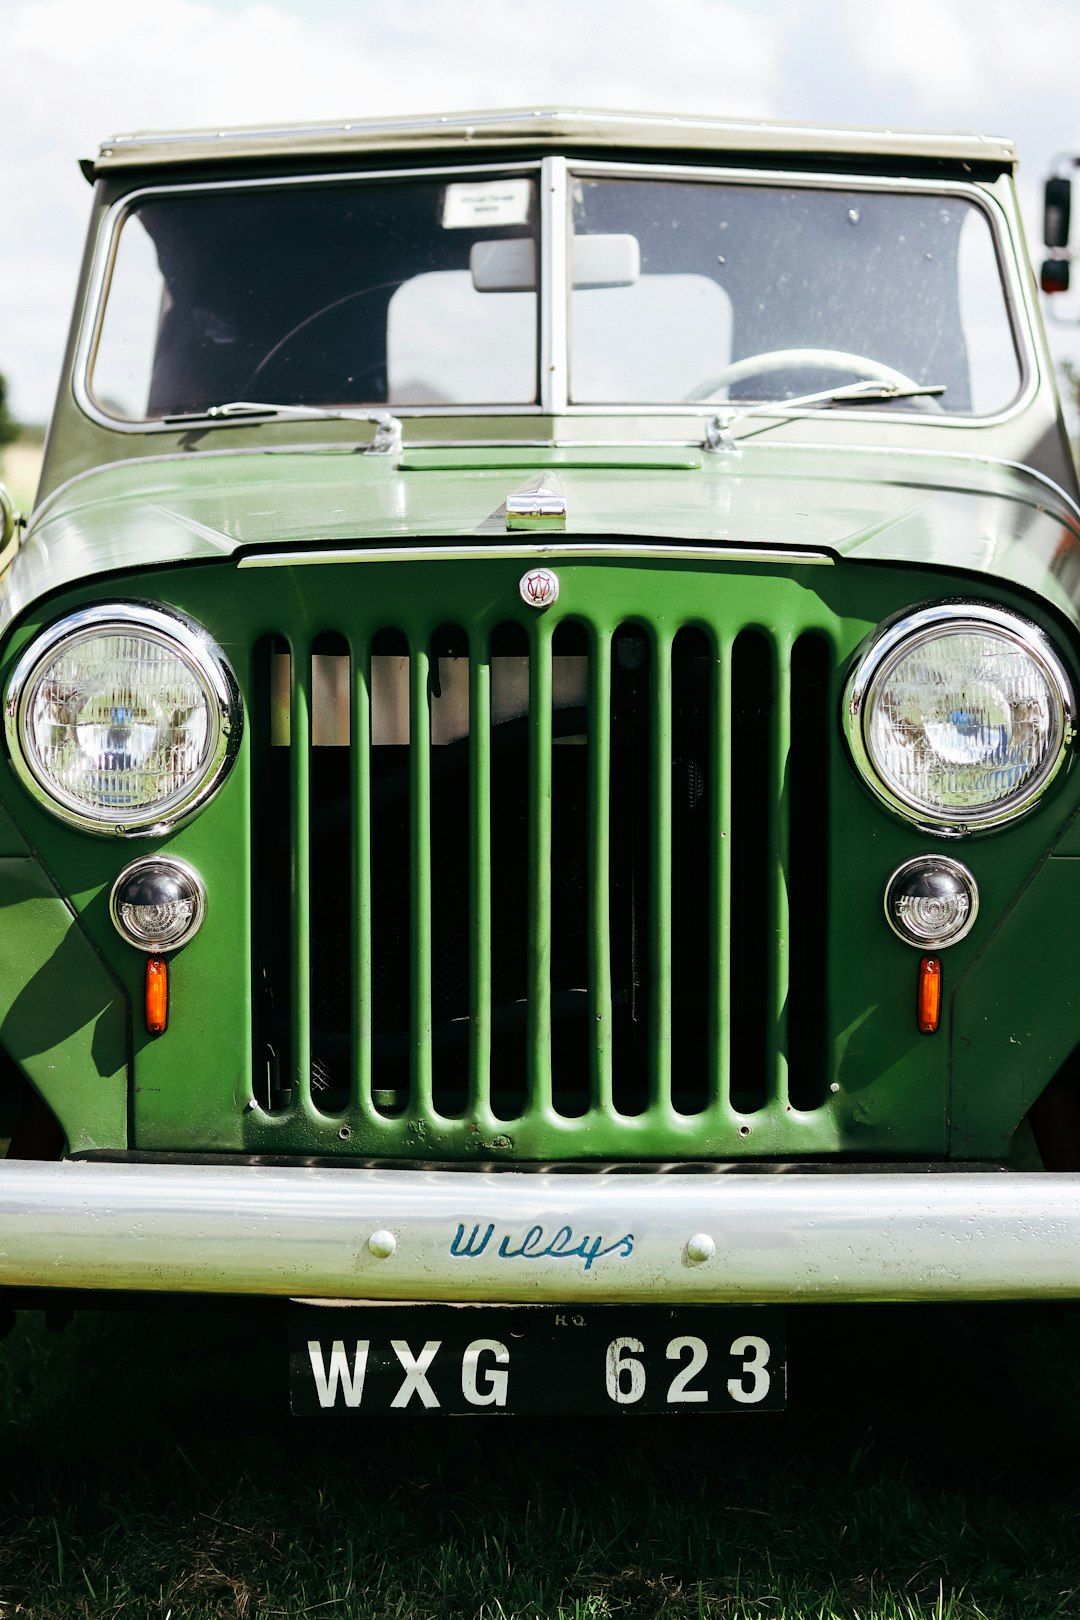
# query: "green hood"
931, 509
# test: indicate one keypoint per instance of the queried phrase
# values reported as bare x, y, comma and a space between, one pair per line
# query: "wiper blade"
387, 438
868, 392
718, 435
235, 408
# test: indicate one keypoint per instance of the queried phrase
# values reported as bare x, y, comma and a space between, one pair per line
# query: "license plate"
423, 1360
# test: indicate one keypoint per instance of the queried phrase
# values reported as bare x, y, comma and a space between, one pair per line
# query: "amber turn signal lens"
928, 1007
157, 995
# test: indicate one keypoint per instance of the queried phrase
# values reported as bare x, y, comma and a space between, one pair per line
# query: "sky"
77, 72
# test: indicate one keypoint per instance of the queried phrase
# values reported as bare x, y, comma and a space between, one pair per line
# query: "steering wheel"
284, 344
762, 365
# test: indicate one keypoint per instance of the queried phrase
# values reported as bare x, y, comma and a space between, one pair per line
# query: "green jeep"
539, 703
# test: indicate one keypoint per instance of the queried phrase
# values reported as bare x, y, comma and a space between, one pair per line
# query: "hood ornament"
539, 587
538, 504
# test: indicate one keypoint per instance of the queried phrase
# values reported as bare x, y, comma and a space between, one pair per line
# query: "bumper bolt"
699, 1248
382, 1244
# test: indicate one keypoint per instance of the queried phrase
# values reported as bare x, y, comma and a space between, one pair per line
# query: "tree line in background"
9, 428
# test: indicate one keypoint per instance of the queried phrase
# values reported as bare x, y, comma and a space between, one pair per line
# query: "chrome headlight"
959, 716
122, 718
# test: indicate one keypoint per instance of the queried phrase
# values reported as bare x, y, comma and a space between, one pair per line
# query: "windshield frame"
553, 175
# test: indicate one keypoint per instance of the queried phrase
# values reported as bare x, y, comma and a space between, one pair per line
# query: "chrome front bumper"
503, 1235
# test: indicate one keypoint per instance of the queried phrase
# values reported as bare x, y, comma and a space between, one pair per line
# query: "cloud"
950, 59
78, 73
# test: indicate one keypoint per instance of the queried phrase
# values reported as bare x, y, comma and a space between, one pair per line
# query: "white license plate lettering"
694, 1353
753, 1383
624, 1374
485, 1382
536, 1359
415, 1381
335, 1376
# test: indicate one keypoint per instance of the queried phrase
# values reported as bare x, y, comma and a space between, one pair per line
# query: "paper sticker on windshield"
492, 202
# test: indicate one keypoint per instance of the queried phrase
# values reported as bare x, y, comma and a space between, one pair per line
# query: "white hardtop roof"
556, 127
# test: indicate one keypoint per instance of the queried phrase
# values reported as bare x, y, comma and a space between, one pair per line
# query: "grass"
926, 1468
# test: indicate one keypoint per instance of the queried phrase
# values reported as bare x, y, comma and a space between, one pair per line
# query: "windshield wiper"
718, 435
387, 440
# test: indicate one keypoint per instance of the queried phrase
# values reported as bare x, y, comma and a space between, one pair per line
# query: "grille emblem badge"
539, 587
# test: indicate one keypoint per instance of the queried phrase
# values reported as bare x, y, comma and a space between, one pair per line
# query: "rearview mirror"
509, 264
505, 265
606, 261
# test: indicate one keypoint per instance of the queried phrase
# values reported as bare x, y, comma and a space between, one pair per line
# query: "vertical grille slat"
511, 789
420, 881
479, 1098
692, 899
776, 1080
660, 878
553, 880
808, 798
753, 877
271, 887
720, 1077
571, 743
300, 824
450, 813
390, 870
360, 866
538, 1009
599, 855
630, 896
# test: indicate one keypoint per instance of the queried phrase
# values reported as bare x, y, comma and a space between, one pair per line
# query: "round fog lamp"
158, 904
931, 902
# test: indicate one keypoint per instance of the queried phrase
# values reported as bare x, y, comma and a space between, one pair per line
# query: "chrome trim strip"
308, 1231
568, 552
554, 334
195, 648
911, 631
592, 124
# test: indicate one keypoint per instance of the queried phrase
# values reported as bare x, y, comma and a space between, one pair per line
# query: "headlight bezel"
904, 635
184, 639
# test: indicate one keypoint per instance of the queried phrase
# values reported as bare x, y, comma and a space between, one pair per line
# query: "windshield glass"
405, 293
423, 292
748, 292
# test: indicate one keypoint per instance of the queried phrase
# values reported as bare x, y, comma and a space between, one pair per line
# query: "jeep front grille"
550, 886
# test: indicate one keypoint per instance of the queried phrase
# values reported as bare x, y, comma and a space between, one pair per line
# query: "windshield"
753, 292
424, 293
322, 294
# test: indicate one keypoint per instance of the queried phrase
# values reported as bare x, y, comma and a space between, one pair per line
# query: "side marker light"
928, 1001
157, 995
